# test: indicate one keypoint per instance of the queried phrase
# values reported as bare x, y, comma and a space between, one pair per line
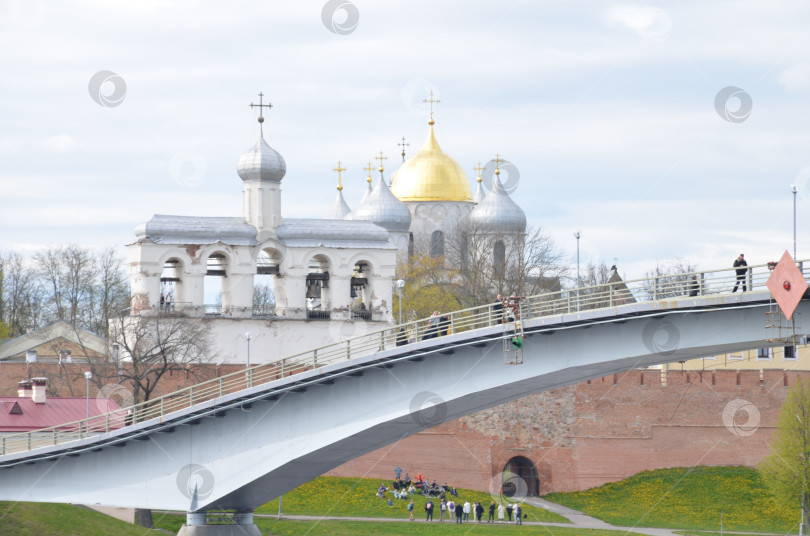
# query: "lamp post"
577, 235
794, 190
248, 335
87, 376
400, 284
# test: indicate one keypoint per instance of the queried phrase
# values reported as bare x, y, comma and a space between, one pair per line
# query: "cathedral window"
437, 244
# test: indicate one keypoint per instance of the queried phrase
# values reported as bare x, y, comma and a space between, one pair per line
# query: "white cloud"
796, 78
650, 22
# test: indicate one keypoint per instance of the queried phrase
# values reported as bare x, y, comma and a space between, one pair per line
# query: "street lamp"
87, 376
794, 190
400, 284
577, 235
248, 335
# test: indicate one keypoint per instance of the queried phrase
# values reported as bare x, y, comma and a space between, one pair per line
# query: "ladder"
512, 331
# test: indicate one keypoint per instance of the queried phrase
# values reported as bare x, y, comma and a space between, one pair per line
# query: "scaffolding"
512, 331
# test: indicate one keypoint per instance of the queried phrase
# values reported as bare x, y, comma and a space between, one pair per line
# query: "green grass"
355, 497
289, 527
687, 498
44, 519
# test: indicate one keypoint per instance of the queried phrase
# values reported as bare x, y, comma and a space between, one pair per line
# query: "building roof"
431, 175
358, 234
169, 229
23, 414
16, 348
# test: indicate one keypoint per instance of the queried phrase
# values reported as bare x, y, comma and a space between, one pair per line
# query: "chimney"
40, 384
24, 389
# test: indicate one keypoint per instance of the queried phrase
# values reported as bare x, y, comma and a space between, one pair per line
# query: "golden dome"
431, 175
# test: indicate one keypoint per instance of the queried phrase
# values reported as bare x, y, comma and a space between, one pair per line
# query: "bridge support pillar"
196, 526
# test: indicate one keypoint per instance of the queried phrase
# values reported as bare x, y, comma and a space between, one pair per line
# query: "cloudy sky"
661, 131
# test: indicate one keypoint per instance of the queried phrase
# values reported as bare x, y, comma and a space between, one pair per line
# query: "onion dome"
497, 212
431, 175
261, 163
381, 207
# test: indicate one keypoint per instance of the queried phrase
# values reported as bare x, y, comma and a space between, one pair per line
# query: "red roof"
23, 414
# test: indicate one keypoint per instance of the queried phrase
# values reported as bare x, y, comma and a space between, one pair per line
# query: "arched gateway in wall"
520, 478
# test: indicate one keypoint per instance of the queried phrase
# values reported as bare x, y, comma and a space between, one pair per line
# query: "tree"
264, 299
786, 471
151, 346
22, 309
429, 286
671, 280
491, 263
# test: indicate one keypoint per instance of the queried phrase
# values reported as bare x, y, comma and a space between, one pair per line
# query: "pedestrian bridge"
237, 442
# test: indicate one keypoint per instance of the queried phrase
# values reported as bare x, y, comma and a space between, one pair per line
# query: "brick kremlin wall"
599, 431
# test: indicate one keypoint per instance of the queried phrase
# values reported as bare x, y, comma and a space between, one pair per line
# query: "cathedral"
331, 278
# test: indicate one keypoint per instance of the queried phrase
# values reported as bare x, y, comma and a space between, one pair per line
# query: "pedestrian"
397, 472
459, 511
500, 512
491, 518
466, 510
162, 300
442, 509
509, 511
410, 509
518, 514
497, 310
740, 265
479, 511
693, 286
451, 509
429, 511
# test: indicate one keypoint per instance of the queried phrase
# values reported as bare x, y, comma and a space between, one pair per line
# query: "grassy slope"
355, 497
43, 519
687, 498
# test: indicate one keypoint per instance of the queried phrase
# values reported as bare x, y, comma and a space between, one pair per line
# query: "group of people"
447, 505
166, 301
463, 511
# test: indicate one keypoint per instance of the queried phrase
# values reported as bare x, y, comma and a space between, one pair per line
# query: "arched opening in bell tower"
268, 268
216, 271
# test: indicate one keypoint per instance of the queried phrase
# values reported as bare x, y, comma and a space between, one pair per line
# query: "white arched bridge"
239, 441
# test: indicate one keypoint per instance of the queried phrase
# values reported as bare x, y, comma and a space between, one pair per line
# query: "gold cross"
339, 169
432, 101
369, 168
260, 106
381, 158
498, 161
478, 168
403, 145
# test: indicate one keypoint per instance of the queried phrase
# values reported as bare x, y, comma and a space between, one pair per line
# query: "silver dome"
339, 208
478, 196
382, 208
498, 213
261, 163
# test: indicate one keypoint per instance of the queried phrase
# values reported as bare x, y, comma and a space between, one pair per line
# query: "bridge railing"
563, 302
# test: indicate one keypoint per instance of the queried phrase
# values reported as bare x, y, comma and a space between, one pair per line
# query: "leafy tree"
786, 470
429, 286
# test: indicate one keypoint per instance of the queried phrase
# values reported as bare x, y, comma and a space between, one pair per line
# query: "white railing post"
315, 358
348, 350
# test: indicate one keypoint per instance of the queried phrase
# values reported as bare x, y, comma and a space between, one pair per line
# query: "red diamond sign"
787, 284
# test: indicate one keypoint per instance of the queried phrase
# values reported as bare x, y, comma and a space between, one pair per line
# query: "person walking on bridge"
740, 265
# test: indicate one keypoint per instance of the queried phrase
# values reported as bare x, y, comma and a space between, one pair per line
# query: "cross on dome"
339, 170
260, 106
498, 161
431, 101
403, 145
381, 158
478, 169
369, 168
